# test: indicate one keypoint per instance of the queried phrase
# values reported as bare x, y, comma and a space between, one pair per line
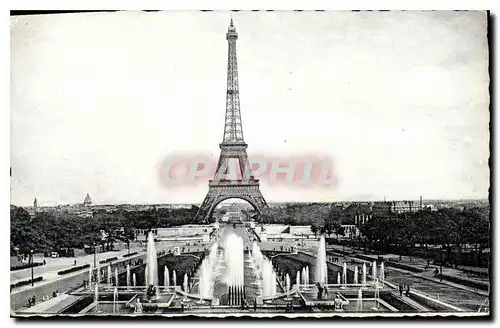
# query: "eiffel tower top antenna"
233, 130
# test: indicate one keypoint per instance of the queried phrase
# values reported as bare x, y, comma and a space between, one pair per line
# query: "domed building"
87, 201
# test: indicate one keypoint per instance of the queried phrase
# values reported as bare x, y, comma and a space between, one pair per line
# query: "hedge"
108, 260
73, 269
25, 282
131, 254
467, 282
404, 266
25, 266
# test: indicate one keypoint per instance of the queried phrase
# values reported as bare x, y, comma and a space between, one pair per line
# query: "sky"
398, 100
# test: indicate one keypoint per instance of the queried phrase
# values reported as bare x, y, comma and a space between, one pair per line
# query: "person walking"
400, 290
408, 290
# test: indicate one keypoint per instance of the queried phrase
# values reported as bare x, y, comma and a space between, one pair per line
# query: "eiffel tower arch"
227, 182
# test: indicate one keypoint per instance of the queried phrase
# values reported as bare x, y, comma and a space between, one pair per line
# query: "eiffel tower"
233, 176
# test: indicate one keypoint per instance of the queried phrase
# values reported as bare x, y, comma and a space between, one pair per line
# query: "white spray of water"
264, 270
166, 277
287, 284
321, 267
206, 273
109, 275
185, 283
152, 261
344, 274
382, 273
359, 301
90, 278
98, 280
234, 259
364, 274
128, 276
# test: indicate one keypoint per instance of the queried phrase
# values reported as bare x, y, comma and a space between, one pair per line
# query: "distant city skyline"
41, 204
399, 101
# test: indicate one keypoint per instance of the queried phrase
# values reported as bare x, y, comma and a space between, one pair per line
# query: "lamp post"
441, 263
32, 275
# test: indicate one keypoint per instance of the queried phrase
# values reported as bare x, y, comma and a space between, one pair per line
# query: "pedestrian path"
43, 306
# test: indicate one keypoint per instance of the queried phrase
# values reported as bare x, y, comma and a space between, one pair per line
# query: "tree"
24, 234
315, 230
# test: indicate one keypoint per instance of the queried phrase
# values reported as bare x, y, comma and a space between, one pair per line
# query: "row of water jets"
322, 269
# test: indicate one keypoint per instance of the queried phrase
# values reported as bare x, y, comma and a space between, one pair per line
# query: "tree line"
448, 229
59, 230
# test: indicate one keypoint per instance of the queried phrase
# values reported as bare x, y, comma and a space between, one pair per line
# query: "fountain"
287, 287
185, 285
264, 272
152, 261
201, 284
382, 273
146, 275
344, 275
116, 277
364, 275
109, 275
356, 273
297, 280
90, 278
234, 259
96, 296
374, 269
304, 276
273, 286
98, 279
321, 268
376, 296
134, 280
137, 306
338, 278
306, 279
359, 301
128, 276
174, 277
206, 273
115, 299
166, 277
